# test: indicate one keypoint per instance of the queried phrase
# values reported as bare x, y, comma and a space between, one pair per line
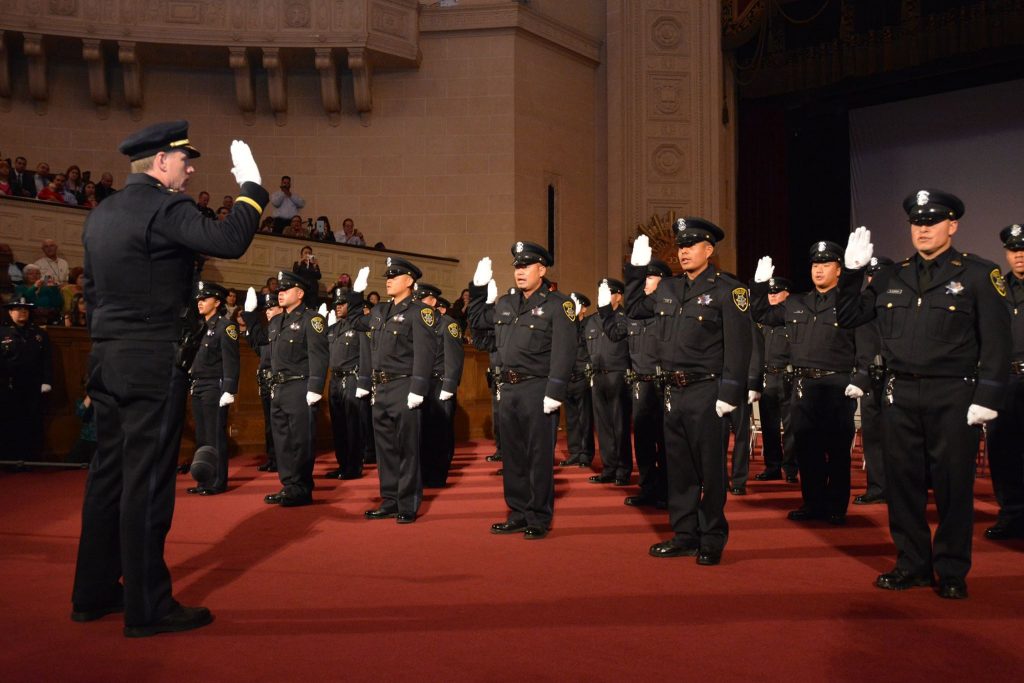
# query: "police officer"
25, 375
1005, 434
831, 372
214, 375
579, 406
738, 421
140, 250
535, 338
259, 343
347, 344
439, 405
648, 414
299, 358
777, 388
403, 346
946, 343
703, 335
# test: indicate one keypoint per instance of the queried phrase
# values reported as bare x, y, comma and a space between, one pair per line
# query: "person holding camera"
306, 266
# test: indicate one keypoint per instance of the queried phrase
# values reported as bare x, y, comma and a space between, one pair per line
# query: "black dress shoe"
869, 499
194, 490
601, 478
837, 519
804, 515
268, 466
792, 479
640, 501
574, 460
769, 475
622, 481
1003, 530
273, 498
184, 469
84, 615
493, 457
738, 490
534, 533
296, 501
672, 548
508, 527
952, 589
380, 513
349, 477
333, 474
211, 492
584, 463
900, 580
181, 618
709, 557
405, 517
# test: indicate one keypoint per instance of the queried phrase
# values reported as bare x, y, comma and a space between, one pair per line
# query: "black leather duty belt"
775, 371
385, 377
343, 373
683, 379
282, 377
812, 373
514, 377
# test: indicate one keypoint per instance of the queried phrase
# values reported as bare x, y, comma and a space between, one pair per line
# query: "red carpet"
318, 593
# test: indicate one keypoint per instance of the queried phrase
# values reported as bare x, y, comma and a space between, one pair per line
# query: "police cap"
616, 286
1013, 237
205, 290
779, 284
19, 302
826, 251
443, 303
396, 266
287, 279
928, 207
692, 230
269, 300
877, 263
658, 268
423, 289
526, 253
582, 298
160, 137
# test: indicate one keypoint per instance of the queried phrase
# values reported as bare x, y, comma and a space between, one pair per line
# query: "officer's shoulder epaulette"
729, 279
559, 296
979, 262
906, 262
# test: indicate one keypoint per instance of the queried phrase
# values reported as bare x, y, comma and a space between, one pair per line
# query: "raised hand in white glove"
445, 395
484, 272
764, 270
243, 166
853, 391
250, 300
322, 310
413, 400
979, 415
858, 249
604, 294
576, 305
312, 398
45, 388
753, 397
226, 399
362, 277
722, 408
551, 405
332, 319
641, 255
492, 291
361, 393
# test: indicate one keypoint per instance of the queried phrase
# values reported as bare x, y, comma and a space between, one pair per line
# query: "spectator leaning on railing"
296, 228
350, 235
5, 179
53, 191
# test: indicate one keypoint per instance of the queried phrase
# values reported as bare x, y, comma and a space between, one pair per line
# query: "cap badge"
923, 198
873, 262
953, 287
822, 246
280, 275
519, 247
771, 282
680, 224
200, 285
388, 262
1015, 230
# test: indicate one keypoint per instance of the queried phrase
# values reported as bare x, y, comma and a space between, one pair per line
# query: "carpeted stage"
319, 593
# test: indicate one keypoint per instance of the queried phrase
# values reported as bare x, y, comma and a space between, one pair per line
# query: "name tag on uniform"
894, 291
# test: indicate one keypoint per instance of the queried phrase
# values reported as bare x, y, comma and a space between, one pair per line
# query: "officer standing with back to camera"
1005, 434
535, 338
140, 249
258, 341
579, 406
347, 344
26, 375
703, 354
946, 341
214, 375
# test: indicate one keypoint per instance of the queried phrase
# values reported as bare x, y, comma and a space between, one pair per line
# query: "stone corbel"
359, 60
239, 61
128, 56
277, 83
328, 68
35, 52
92, 53
5, 71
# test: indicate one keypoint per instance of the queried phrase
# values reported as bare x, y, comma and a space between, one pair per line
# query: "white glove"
250, 300
492, 291
551, 405
45, 389
979, 415
722, 408
312, 398
483, 273
576, 305
445, 395
604, 295
413, 400
858, 249
226, 399
332, 319
362, 277
641, 255
853, 391
753, 396
764, 270
243, 166
361, 392
322, 310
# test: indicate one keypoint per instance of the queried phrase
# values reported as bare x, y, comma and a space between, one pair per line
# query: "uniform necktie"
926, 275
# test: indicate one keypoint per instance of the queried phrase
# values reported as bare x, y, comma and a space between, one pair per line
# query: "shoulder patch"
318, 324
232, 331
453, 329
428, 316
998, 282
570, 310
740, 298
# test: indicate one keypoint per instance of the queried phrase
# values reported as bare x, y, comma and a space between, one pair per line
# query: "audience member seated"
22, 184
231, 303
105, 187
76, 316
5, 179
267, 226
53, 267
272, 284
222, 213
73, 287
460, 308
322, 230
10, 273
46, 296
344, 282
41, 178
203, 202
89, 199
349, 234
286, 204
307, 266
54, 190
373, 298
296, 228
73, 186
227, 202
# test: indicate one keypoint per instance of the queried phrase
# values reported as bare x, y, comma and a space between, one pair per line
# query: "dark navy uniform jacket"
643, 347
347, 348
403, 341
25, 356
607, 352
450, 355
217, 357
1015, 302
298, 344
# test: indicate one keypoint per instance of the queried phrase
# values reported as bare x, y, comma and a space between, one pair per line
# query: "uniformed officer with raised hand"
945, 331
140, 251
703, 353
579, 405
535, 337
347, 345
214, 375
777, 389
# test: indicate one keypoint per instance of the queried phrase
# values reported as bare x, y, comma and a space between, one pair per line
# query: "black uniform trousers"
738, 422
612, 416
1005, 437
369, 443
211, 427
294, 425
926, 431
397, 435
696, 466
496, 426
823, 428
579, 420
871, 435
268, 432
347, 425
438, 445
139, 398
776, 428
649, 439
527, 452
21, 418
